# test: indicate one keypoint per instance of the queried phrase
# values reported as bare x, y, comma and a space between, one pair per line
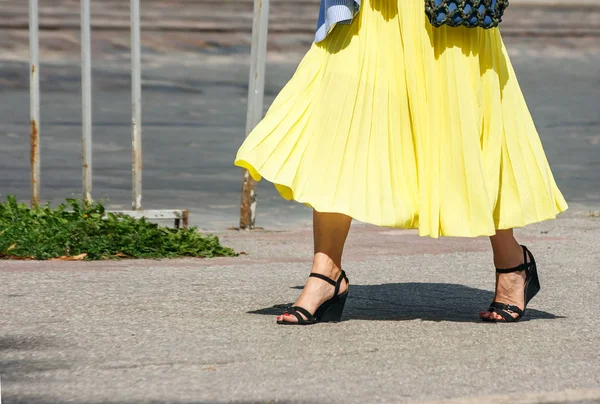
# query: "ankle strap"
523, 267
331, 281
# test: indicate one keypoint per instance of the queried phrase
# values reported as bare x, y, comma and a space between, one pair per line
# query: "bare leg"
330, 231
509, 287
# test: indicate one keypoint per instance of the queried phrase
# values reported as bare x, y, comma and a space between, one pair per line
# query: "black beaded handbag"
467, 13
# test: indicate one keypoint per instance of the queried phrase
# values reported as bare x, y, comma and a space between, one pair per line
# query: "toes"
287, 318
490, 315
486, 315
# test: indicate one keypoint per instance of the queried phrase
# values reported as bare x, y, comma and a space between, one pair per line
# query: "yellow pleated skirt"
397, 123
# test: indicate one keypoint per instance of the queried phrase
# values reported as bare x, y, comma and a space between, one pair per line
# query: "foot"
510, 288
316, 291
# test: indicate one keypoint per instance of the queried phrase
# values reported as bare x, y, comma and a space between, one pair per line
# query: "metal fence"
254, 111
180, 216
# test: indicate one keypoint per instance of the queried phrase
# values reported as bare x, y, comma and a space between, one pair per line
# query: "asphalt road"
204, 331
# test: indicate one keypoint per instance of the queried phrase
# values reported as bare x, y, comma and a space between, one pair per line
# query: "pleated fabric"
399, 124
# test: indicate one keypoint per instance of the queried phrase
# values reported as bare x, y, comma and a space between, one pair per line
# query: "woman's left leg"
329, 231
510, 287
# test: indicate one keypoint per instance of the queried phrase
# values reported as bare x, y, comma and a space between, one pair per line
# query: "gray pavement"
203, 331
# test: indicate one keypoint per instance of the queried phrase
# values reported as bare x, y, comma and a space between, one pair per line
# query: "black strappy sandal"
532, 287
329, 311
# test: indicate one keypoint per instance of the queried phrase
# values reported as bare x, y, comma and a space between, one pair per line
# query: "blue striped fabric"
335, 12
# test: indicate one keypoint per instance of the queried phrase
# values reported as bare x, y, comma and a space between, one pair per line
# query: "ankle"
324, 265
509, 258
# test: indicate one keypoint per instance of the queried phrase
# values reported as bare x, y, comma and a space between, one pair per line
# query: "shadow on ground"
415, 301
15, 369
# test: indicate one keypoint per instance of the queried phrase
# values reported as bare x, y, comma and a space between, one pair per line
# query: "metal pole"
136, 95
256, 89
86, 100
34, 102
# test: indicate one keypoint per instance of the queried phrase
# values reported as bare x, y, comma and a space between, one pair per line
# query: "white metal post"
34, 101
136, 104
86, 100
256, 90
180, 216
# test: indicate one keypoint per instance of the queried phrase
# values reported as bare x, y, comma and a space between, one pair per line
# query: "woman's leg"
510, 288
330, 231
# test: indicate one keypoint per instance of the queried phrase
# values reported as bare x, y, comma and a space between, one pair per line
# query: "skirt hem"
244, 163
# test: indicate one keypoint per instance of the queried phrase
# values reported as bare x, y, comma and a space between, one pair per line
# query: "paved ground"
203, 331
189, 331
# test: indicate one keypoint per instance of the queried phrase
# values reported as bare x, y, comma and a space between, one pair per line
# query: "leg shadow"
411, 301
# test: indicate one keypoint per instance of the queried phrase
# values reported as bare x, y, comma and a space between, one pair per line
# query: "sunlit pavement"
188, 331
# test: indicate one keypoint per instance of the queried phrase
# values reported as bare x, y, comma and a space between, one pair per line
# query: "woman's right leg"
329, 231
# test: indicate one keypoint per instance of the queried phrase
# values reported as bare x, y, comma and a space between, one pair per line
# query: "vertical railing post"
34, 102
86, 100
136, 104
256, 89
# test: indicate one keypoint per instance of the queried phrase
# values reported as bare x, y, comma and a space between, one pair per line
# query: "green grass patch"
76, 230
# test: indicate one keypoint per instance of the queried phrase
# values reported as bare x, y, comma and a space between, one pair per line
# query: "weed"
81, 230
